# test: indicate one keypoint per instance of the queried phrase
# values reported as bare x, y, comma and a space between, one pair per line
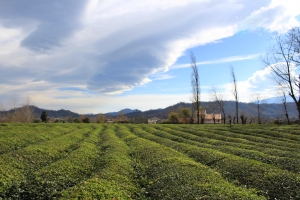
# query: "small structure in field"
153, 120
212, 118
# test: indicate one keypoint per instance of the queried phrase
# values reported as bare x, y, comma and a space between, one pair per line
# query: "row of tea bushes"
114, 161
17, 167
242, 138
16, 136
115, 178
238, 149
81, 163
272, 182
167, 174
283, 133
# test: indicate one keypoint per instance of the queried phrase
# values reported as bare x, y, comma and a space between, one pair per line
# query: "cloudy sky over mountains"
100, 56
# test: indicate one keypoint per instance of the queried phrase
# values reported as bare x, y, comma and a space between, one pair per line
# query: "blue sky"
101, 56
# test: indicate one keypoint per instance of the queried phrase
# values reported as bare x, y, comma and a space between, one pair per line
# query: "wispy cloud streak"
219, 61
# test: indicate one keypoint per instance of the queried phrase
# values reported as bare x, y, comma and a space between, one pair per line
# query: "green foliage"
173, 117
126, 161
80, 163
114, 179
276, 121
241, 171
19, 166
76, 120
185, 114
44, 116
86, 120
166, 174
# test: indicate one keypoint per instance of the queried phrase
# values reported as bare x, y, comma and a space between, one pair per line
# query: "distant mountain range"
270, 111
53, 113
124, 111
278, 99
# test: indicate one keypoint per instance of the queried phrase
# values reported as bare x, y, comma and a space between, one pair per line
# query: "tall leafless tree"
260, 105
217, 97
20, 113
285, 107
195, 83
283, 59
27, 111
235, 93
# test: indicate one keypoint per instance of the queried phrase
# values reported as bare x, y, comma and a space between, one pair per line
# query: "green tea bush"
115, 177
167, 174
238, 134
241, 171
287, 163
125, 161
13, 138
49, 181
19, 166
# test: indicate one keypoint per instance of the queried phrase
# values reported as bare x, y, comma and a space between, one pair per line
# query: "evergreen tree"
44, 116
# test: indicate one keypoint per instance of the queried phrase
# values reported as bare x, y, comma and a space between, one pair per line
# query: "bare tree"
121, 118
101, 118
217, 96
260, 105
283, 59
26, 111
20, 112
13, 114
285, 107
195, 83
235, 93
202, 114
243, 118
229, 120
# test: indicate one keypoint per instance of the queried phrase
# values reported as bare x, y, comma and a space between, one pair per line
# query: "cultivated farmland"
128, 161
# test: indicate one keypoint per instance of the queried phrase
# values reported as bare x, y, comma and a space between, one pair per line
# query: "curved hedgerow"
49, 181
246, 135
115, 177
16, 136
280, 133
272, 182
17, 167
91, 161
238, 149
167, 174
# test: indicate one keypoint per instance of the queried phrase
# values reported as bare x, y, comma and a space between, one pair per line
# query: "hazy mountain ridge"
124, 111
272, 111
50, 113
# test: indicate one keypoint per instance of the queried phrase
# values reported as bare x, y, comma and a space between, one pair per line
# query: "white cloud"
278, 16
218, 61
258, 83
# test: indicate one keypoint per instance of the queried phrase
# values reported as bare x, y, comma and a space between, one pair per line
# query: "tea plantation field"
127, 161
